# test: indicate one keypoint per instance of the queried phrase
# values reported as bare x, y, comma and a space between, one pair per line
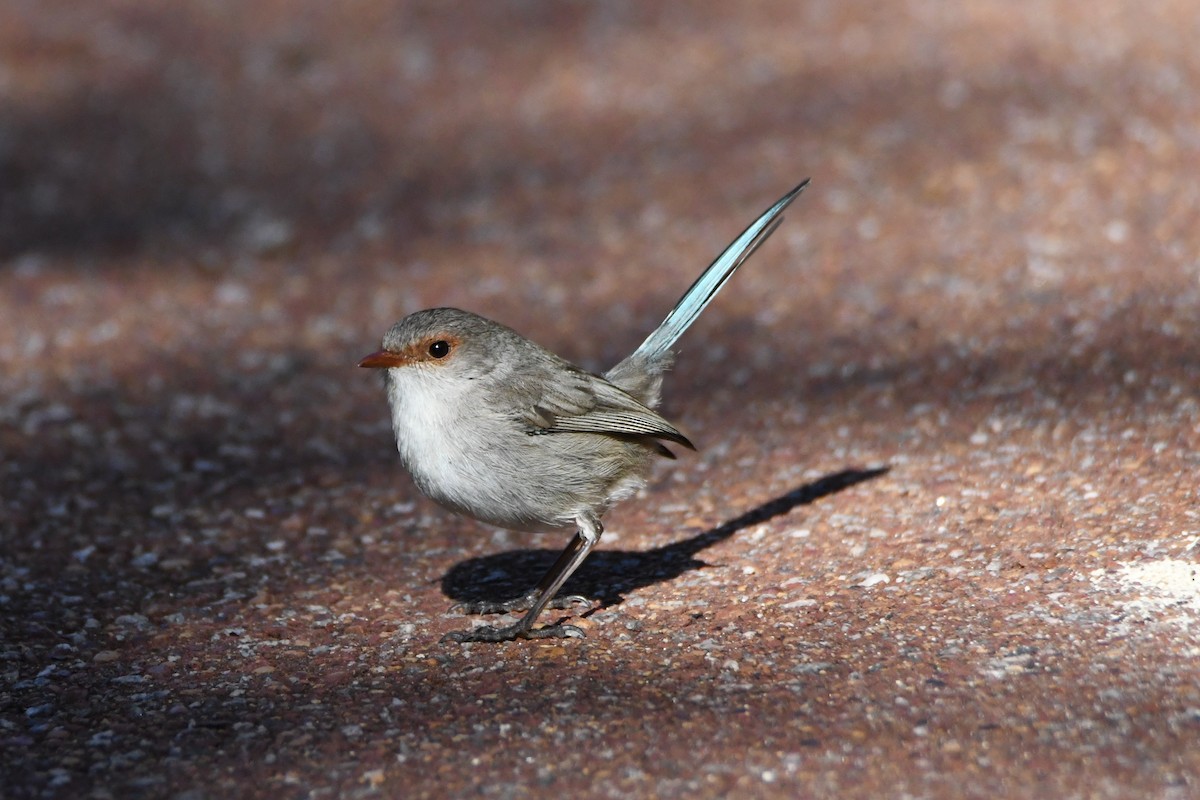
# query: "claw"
569, 600
523, 603
489, 607
487, 633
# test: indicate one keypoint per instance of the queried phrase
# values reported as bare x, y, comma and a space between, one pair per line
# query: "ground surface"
216, 580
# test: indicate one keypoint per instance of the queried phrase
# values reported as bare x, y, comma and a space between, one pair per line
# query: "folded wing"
589, 404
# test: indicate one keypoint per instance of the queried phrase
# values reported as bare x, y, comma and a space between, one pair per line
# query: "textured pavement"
942, 534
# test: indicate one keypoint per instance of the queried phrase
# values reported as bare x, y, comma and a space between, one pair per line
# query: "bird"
498, 428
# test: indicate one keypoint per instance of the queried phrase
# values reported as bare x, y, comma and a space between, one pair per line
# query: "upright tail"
654, 354
697, 298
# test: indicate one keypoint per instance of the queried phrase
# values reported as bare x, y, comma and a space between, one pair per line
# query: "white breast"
459, 452
479, 461
431, 435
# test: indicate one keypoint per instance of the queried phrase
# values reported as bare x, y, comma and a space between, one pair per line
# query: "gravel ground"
941, 537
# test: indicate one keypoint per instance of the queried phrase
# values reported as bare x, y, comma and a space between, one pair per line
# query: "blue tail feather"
694, 301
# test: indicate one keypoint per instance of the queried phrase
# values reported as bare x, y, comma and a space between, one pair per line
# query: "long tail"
658, 344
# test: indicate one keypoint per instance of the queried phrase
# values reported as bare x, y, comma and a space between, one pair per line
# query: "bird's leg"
576, 551
526, 601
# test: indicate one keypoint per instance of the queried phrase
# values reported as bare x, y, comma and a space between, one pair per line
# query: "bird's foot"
523, 603
487, 633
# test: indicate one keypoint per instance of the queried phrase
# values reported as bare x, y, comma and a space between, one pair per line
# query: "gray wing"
585, 403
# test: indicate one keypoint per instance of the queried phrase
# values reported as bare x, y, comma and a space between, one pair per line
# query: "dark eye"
439, 349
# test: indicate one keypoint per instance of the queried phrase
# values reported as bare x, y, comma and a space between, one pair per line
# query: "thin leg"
576, 551
527, 600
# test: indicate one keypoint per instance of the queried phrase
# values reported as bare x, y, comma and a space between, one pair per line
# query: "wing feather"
589, 404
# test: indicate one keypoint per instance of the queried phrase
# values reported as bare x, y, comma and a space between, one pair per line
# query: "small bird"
496, 427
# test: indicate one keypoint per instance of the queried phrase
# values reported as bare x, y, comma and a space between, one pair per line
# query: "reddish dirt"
217, 581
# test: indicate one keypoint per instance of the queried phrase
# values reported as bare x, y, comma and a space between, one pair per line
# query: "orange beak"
383, 358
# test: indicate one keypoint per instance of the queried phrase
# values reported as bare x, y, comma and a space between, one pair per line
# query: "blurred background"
210, 210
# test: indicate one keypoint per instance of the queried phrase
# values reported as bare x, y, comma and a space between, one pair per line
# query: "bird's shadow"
608, 575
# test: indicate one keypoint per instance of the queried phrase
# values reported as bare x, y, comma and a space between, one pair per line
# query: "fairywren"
496, 427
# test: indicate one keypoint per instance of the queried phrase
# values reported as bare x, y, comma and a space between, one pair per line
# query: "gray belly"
533, 482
